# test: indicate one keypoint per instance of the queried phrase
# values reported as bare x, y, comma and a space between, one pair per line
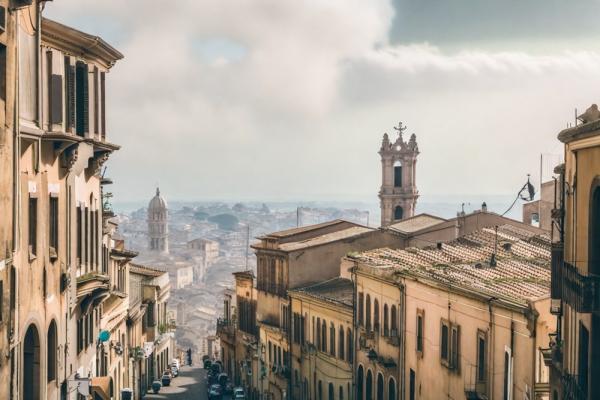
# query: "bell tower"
398, 194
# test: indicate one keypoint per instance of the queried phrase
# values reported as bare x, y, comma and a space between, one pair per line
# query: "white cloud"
294, 103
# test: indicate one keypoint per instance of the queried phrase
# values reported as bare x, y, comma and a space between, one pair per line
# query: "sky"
288, 100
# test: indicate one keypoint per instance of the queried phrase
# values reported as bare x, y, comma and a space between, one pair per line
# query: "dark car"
207, 364
215, 392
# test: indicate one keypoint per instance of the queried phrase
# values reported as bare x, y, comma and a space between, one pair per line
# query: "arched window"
398, 174
376, 315
360, 377
350, 345
31, 364
317, 334
341, 346
369, 385
394, 331
398, 213
380, 387
368, 309
341, 393
392, 389
332, 340
331, 392
386, 321
324, 336
51, 352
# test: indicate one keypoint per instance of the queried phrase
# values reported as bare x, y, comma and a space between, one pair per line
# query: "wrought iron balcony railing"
572, 389
579, 290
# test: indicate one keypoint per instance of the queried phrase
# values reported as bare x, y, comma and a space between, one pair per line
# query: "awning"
101, 387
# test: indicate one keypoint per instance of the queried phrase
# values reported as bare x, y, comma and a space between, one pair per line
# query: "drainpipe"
402, 350
490, 351
354, 346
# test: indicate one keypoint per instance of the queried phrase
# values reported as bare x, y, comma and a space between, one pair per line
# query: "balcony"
225, 328
92, 289
579, 290
572, 389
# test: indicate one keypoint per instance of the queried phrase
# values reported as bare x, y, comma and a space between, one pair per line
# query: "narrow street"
189, 385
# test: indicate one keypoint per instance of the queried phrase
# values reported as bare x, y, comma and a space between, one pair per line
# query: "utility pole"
247, 244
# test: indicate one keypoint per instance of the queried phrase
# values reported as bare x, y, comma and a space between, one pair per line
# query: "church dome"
158, 203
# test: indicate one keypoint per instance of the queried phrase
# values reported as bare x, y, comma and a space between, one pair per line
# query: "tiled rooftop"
522, 272
337, 290
325, 238
145, 270
302, 229
416, 223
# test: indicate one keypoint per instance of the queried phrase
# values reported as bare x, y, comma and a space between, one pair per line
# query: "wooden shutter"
70, 94
82, 99
56, 99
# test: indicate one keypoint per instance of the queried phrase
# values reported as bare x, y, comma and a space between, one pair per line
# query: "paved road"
189, 385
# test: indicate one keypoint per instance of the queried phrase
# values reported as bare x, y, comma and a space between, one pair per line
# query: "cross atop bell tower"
398, 194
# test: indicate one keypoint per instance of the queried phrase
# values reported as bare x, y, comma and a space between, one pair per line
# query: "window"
32, 226
376, 315
103, 104
361, 309
507, 378
80, 334
96, 102
412, 384
2, 74
398, 213
332, 339
394, 315
318, 334
69, 94
450, 345
350, 345
270, 353
360, 377
79, 235
380, 387
420, 323
368, 309
397, 174
341, 393
331, 392
583, 358
324, 336
444, 353
386, 326
285, 318
81, 99
55, 93
53, 226
341, 345
481, 356
391, 389
51, 351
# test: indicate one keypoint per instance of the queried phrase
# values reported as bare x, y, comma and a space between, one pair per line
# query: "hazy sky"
277, 99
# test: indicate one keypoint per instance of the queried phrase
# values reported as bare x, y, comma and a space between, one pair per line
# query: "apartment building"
462, 319
574, 354
322, 340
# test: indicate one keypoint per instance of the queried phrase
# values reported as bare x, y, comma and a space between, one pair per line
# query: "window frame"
419, 340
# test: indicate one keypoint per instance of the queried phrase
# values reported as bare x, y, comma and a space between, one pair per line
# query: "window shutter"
70, 95
56, 93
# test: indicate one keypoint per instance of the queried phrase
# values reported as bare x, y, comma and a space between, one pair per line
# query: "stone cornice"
80, 44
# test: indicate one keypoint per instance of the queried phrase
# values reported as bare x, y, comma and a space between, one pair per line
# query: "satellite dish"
104, 336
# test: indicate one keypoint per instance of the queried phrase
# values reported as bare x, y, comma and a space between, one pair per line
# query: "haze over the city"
281, 100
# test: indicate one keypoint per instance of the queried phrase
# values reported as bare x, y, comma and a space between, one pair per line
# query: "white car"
176, 363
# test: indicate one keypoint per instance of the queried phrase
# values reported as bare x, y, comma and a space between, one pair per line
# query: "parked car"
207, 364
228, 388
238, 394
166, 380
156, 385
168, 372
215, 392
174, 371
222, 379
176, 363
